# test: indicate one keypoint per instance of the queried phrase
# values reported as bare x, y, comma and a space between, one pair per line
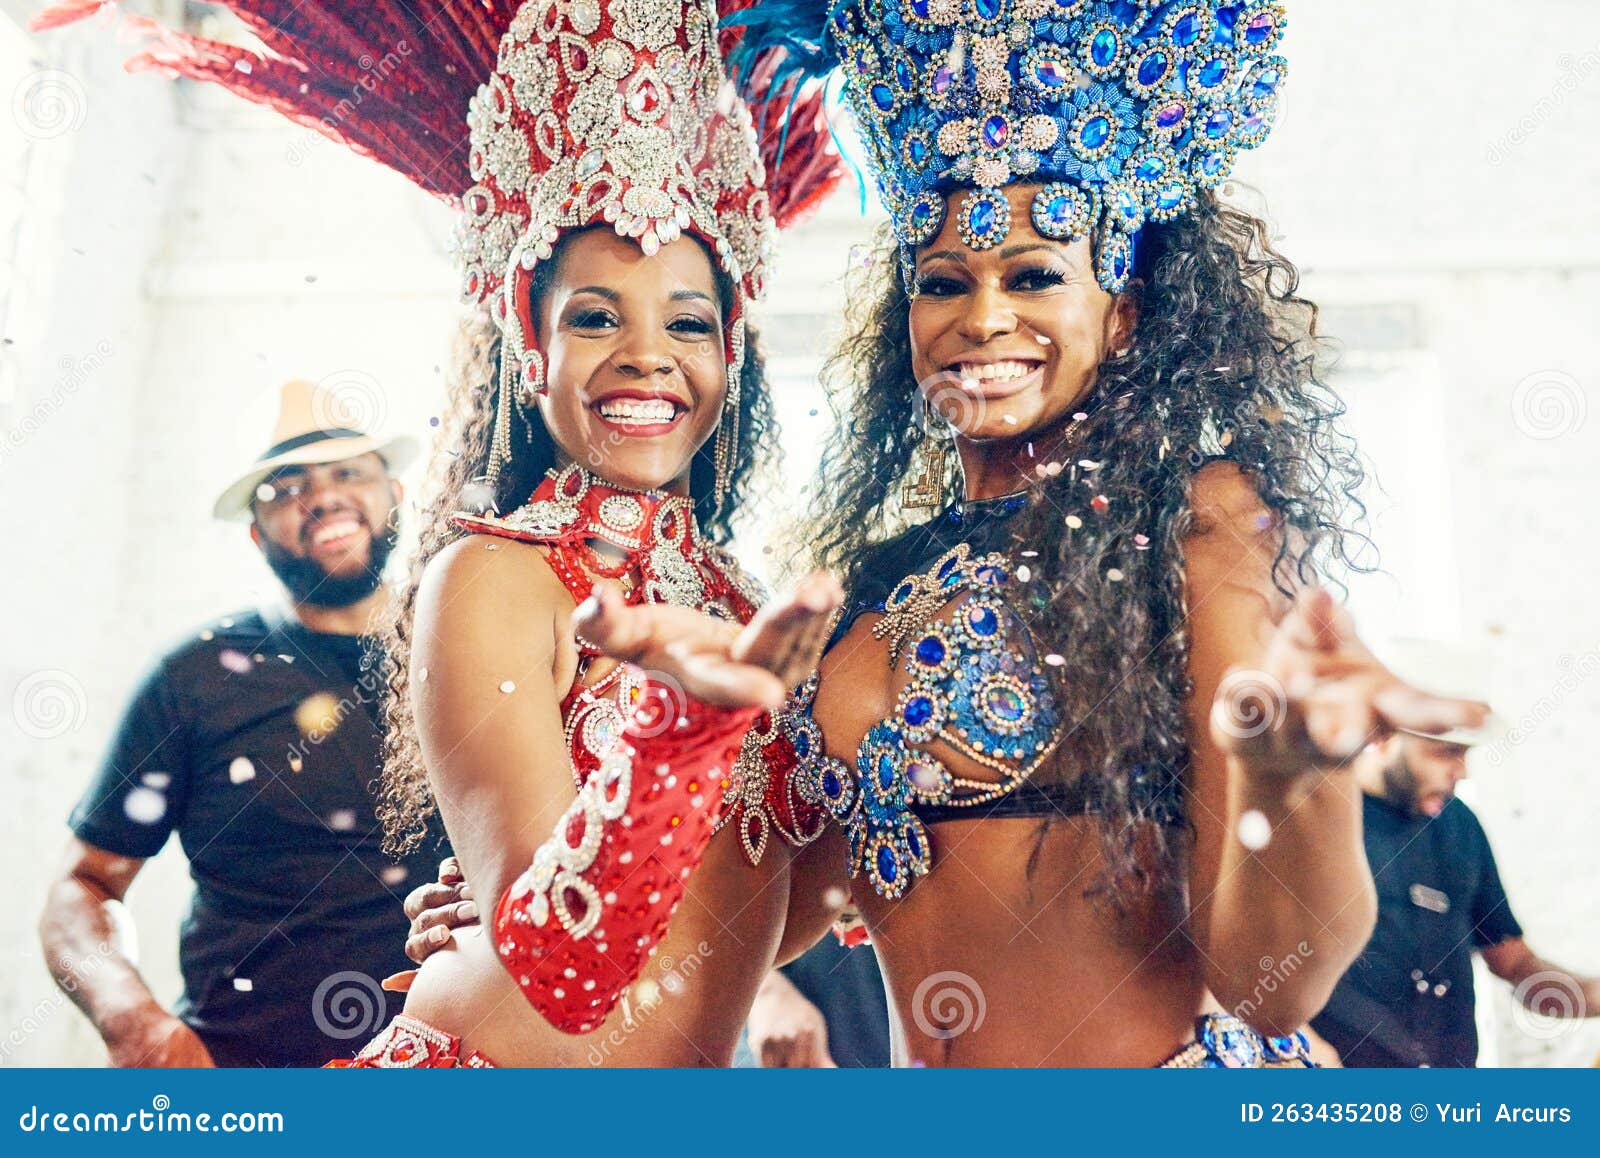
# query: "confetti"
833, 897
1024, 573
1030, 554
1100, 503
241, 769
144, 805
422, 675
1041, 339
433, 422
227, 623
266, 492
157, 780
1115, 575
1009, 419
235, 661
342, 819
395, 874
208, 634
244, 985
286, 658
318, 715
1080, 416
1089, 464
1141, 542
1074, 522
295, 763
1255, 830
1056, 660
508, 686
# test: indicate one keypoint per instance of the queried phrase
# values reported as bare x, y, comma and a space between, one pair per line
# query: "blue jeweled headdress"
1120, 109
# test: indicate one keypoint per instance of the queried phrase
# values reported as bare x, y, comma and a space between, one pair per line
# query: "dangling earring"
533, 384
926, 491
726, 450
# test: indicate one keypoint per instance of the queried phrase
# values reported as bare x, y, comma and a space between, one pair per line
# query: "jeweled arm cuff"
576, 928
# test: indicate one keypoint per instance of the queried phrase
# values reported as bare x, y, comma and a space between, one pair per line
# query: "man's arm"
1542, 986
85, 954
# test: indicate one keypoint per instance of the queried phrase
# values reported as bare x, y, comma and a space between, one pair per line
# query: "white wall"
181, 230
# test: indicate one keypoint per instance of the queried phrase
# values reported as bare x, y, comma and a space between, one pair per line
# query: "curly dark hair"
459, 463
1224, 363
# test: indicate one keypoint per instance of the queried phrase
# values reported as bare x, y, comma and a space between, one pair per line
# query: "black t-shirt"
1408, 999
846, 987
296, 914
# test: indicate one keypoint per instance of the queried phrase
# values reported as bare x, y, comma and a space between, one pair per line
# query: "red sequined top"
658, 772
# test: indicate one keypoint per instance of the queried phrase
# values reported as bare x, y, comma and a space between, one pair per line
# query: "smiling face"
635, 354
1006, 342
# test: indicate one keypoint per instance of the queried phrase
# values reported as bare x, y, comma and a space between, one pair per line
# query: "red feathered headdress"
535, 118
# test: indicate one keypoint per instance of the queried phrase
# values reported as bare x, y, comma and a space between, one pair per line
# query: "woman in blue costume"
1085, 732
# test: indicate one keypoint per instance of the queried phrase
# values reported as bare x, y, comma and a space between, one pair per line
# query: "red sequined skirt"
411, 1044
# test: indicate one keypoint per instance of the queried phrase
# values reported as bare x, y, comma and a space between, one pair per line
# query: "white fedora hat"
300, 439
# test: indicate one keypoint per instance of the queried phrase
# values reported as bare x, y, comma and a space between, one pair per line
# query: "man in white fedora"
257, 739
1408, 1000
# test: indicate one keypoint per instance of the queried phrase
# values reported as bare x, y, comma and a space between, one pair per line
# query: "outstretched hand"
1320, 696
715, 661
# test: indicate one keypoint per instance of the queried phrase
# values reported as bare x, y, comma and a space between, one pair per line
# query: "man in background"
1408, 1000
257, 739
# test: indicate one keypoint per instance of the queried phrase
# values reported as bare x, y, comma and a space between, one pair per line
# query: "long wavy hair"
456, 479
1224, 363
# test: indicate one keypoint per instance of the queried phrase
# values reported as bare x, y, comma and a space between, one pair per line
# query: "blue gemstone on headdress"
1060, 210
831, 784
995, 131
1214, 71
984, 621
919, 8
1187, 30
918, 711
882, 96
1212, 166
902, 591
1171, 115
802, 744
885, 771
888, 866
903, 74
983, 218
948, 568
1266, 83
1103, 48
930, 651
1169, 198
1050, 73
1152, 68
988, 9
1126, 206
1096, 131
943, 78
1217, 124
913, 841
1150, 169
990, 575
917, 149
1259, 29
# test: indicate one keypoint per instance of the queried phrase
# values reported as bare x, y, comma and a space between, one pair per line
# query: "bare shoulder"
1236, 537
482, 588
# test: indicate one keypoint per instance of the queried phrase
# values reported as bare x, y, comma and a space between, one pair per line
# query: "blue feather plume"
798, 27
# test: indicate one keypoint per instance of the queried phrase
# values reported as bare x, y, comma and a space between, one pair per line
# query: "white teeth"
994, 371
637, 410
335, 531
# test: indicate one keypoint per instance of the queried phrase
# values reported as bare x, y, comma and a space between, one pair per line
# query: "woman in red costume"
616, 218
